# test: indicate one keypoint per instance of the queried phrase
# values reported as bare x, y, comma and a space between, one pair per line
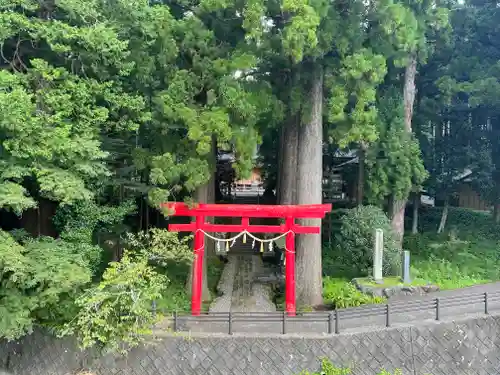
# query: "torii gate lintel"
288, 212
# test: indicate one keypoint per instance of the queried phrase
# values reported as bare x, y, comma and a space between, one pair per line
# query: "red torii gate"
246, 211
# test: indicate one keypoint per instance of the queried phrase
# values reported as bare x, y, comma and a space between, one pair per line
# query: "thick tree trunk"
309, 284
280, 162
416, 206
211, 196
206, 194
409, 91
287, 184
360, 188
201, 196
444, 216
397, 215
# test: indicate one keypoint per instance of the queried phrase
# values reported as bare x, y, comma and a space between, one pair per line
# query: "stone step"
244, 286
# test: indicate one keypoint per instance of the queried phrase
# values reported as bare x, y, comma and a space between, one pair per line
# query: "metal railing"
335, 321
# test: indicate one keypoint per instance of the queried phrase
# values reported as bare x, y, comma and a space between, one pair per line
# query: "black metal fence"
335, 321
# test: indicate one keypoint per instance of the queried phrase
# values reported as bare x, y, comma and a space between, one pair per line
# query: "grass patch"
452, 262
341, 293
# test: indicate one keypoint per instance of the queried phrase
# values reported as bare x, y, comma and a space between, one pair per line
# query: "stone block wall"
466, 347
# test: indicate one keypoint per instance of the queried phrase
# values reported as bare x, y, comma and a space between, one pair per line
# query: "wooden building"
468, 197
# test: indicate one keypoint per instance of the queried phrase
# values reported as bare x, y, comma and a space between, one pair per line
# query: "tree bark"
309, 283
360, 188
211, 195
444, 216
409, 91
397, 215
416, 206
201, 196
287, 185
280, 162
206, 194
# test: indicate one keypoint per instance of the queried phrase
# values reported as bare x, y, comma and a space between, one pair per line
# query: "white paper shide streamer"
222, 245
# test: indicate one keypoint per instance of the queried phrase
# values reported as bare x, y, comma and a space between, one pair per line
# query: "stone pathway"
241, 291
242, 298
225, 287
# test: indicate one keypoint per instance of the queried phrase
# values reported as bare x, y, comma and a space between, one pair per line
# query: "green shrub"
39, 278
333, 264
341, 294
328, 368
116, 314
467, 222
356, 239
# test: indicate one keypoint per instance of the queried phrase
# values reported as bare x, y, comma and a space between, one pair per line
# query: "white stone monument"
406, 267
378, 254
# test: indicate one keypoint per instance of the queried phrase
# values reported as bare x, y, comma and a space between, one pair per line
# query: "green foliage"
328, 368
41, 142
172, 256
355, 241
300, 35
472, 225
451, 262
161, 246
117, 313
176, 297
462, 93
394, 163
341, 293
39, 280
132, 90
357, 79
451, 274
78, 223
